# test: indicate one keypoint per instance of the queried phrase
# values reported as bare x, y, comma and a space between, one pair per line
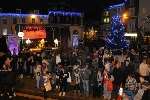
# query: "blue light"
64, 13
21, 15
116, 39
116, 6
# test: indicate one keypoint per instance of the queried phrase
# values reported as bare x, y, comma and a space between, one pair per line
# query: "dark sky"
91, 8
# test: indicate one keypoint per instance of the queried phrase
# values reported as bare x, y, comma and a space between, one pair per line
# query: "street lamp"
33, 16
21, 35
125, 16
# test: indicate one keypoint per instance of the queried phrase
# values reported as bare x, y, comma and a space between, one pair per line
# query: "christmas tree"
116, 38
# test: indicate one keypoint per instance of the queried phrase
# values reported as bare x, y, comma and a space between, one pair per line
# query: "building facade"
127, 9
8, 21
66, 26
62, 25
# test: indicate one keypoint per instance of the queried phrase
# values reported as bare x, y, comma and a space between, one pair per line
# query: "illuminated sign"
34, 32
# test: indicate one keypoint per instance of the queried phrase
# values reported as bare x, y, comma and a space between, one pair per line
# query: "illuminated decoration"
116, 39
35, 49
56, 42
41, 44
5, 31
33, 16
75, 40
117, 6
34, 31
64, 13
106, 20
13, 45
21, 15
130, 34
91, 34
125, 16
21, 34
28, 41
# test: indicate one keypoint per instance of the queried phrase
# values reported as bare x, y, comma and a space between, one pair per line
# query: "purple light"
12, 43
65, 13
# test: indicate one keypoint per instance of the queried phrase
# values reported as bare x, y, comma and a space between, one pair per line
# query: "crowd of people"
84, 73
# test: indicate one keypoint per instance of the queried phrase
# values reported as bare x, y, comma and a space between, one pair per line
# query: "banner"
34, 32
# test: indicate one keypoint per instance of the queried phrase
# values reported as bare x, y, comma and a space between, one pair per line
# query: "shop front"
33, 38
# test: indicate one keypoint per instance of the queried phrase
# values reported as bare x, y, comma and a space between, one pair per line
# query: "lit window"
105, 20
41, 21
107, 13
33, 20
5, 31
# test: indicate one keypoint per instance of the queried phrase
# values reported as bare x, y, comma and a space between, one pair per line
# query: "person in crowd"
44, 66
144, 70
20, 65
85, 74
47, 83
117, 72
108, 79
7, 79
76, 73
38, 74
63, 82
100, 82
131, 86
93, 84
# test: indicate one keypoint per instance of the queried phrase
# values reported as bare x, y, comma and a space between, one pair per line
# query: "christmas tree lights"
116, 39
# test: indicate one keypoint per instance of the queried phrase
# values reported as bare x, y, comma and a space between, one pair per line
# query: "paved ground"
26, 88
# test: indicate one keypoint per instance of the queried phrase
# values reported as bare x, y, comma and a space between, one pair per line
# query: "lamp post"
21, 35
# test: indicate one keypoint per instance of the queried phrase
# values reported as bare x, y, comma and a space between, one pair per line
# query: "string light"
116, 39
64, 13
117, 6
21, 15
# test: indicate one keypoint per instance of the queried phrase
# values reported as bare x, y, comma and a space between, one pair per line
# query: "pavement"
30, 97
26, 88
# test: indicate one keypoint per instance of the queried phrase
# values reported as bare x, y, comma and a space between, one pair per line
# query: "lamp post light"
21, 35
125, 17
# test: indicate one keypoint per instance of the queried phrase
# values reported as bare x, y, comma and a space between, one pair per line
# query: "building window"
33, 20
18, 11
36, 11
23, 20
14, 20
4, 21
5, 31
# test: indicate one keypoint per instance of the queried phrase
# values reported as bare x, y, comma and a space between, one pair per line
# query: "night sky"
92, 8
